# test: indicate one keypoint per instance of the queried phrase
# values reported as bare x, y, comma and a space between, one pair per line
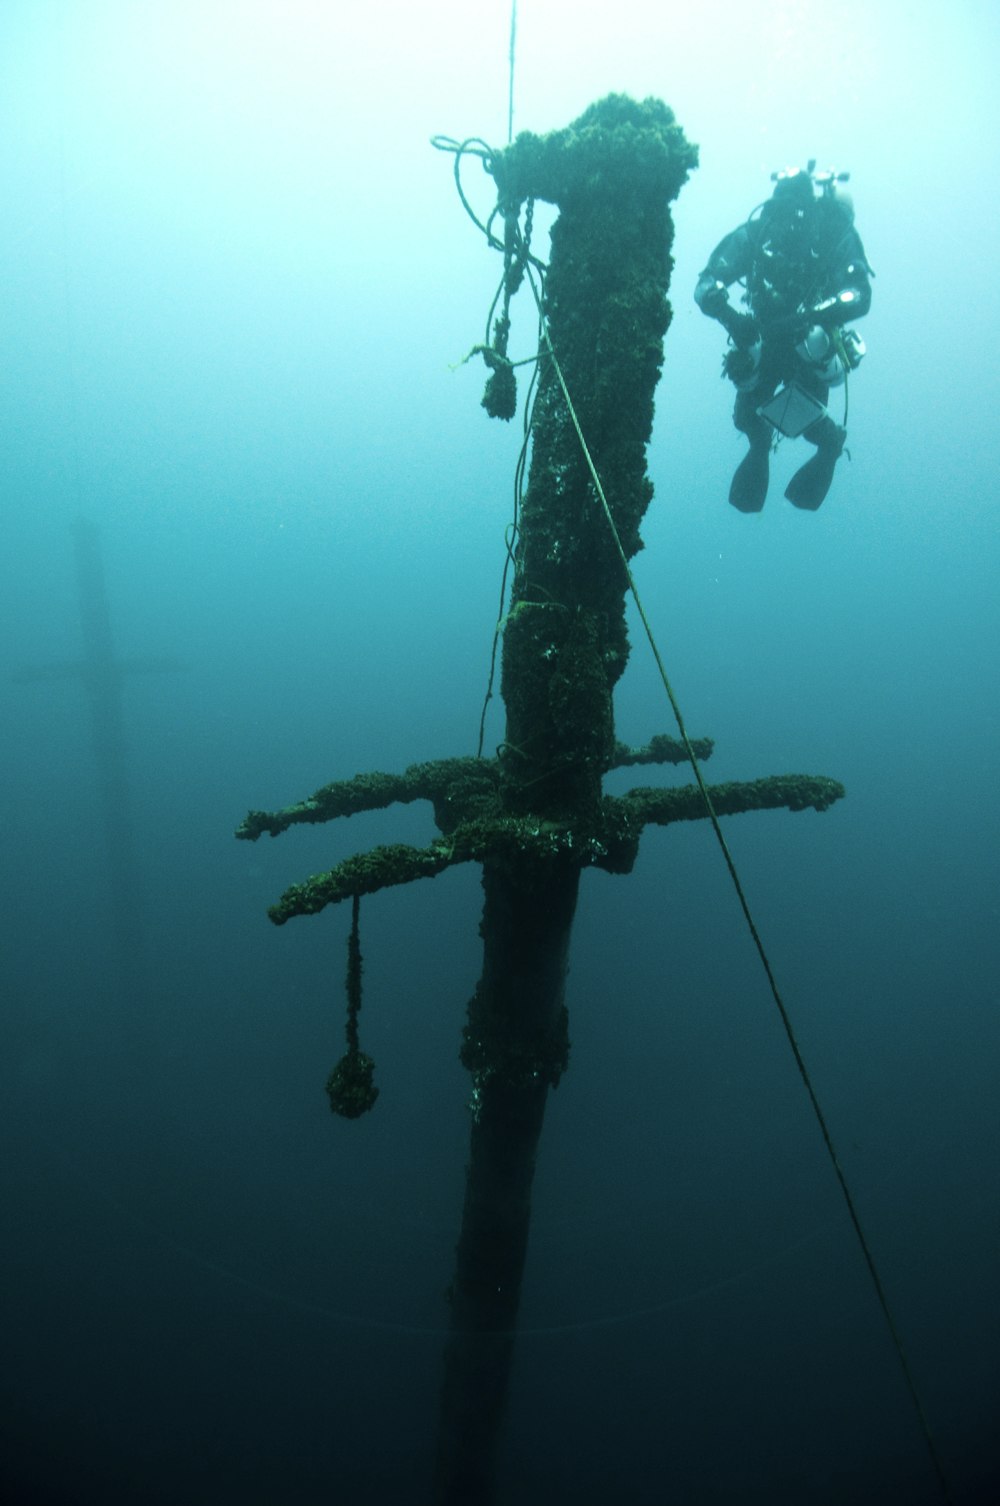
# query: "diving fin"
811, 482
748, 488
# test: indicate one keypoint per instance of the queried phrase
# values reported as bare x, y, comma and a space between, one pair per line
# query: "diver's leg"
748, 488
811, 482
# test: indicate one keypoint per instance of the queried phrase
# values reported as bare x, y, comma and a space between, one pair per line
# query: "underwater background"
237, 281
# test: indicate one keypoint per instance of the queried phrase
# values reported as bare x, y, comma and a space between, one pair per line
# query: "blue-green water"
236, 279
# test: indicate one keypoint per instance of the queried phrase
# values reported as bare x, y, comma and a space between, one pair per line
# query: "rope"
838, 345
510, 88
510, 540
513, 275
349, 1086
755, 934
472, 146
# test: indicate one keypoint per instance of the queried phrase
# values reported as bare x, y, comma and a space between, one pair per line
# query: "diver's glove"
711, 297
741, 329
740, 365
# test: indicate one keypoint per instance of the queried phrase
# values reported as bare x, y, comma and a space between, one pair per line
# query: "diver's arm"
728, 262
853, 296
850, 303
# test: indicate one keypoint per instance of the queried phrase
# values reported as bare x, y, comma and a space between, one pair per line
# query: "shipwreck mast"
612, 175
536, 815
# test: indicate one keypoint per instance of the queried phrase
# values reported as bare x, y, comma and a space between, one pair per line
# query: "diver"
804, 273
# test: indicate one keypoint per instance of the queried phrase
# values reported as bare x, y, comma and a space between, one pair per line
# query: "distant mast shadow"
103, 675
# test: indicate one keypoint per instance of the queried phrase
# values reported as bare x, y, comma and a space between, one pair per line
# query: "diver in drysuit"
805, 275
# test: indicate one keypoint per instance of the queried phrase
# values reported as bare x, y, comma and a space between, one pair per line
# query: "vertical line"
510, 87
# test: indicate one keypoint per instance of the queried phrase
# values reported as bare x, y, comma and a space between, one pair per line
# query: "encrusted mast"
536, 815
